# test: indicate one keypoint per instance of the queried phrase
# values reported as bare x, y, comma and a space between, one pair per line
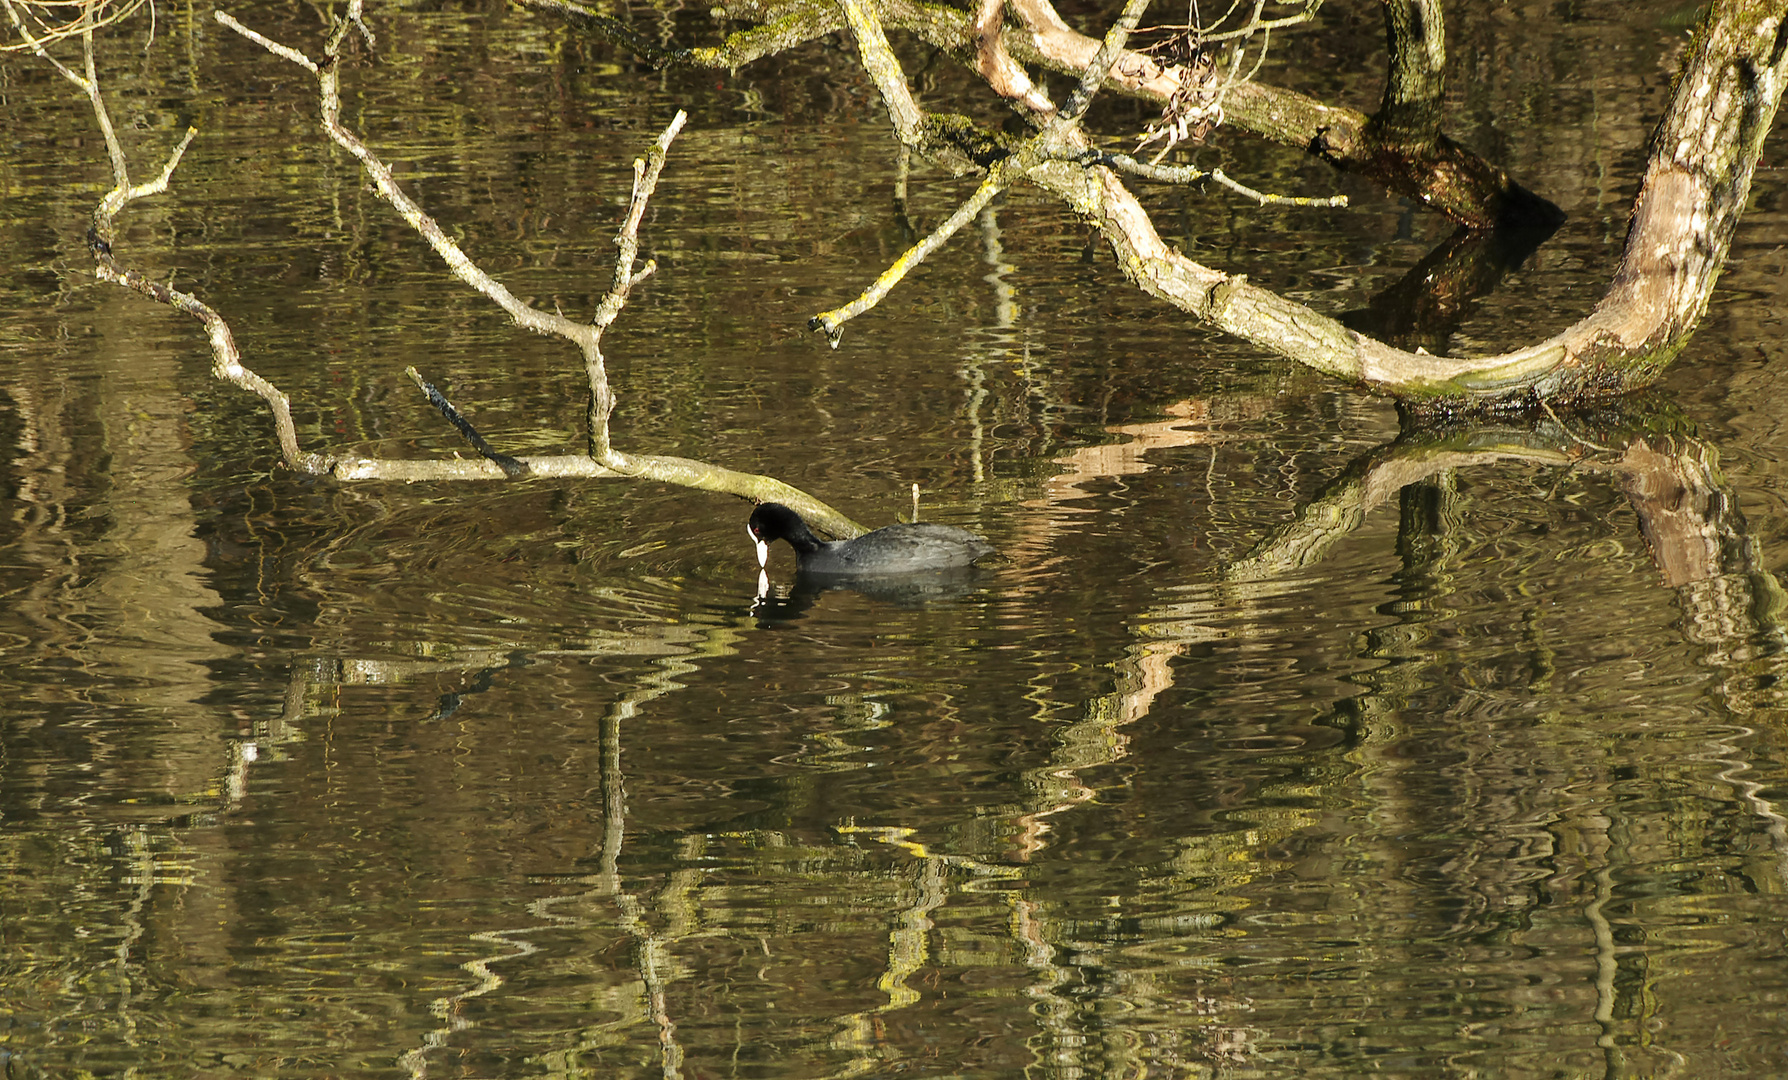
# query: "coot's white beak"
763, 549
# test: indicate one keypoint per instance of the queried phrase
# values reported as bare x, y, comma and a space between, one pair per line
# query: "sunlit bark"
1688, 208
603, 459
1441, 174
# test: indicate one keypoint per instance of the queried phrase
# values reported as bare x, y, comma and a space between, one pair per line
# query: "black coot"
896, 549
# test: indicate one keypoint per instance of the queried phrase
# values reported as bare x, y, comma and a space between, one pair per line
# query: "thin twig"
1186, 174
40, 46
283, 51
1099, 68
603, 458
602, 400
646, 171
1208, 32
832, 322
511, 467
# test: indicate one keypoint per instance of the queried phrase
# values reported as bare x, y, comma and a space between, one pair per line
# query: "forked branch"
1694, 190
603, 459
1059, 133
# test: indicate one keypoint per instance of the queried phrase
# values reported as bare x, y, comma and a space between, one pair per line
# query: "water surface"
310, 778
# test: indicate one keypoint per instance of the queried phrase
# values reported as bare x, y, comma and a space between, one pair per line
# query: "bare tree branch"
832, 322
996, 65
1688, 208
227, 362
1061, 129
586, 336
1450, 179
1098, 68
884, 69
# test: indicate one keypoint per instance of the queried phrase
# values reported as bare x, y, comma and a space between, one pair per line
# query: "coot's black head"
771, 522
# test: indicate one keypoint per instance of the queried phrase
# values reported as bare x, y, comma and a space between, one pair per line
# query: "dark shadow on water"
1425, 307
779, 604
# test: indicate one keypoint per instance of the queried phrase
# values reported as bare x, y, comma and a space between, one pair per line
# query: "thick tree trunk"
1403, 146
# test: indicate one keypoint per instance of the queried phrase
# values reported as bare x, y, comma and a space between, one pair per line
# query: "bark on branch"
1694, 189
1448, 178
602, 460
1703, 156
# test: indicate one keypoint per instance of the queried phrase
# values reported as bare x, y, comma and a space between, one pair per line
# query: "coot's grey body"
896, 549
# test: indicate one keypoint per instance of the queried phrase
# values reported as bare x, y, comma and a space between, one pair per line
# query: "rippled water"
312, 778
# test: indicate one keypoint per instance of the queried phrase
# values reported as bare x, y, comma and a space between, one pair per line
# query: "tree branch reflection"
1688, 515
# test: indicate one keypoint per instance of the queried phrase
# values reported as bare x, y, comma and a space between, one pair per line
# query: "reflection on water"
783, 603
1278, 743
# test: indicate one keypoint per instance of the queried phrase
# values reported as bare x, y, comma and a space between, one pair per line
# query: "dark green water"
308, 778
